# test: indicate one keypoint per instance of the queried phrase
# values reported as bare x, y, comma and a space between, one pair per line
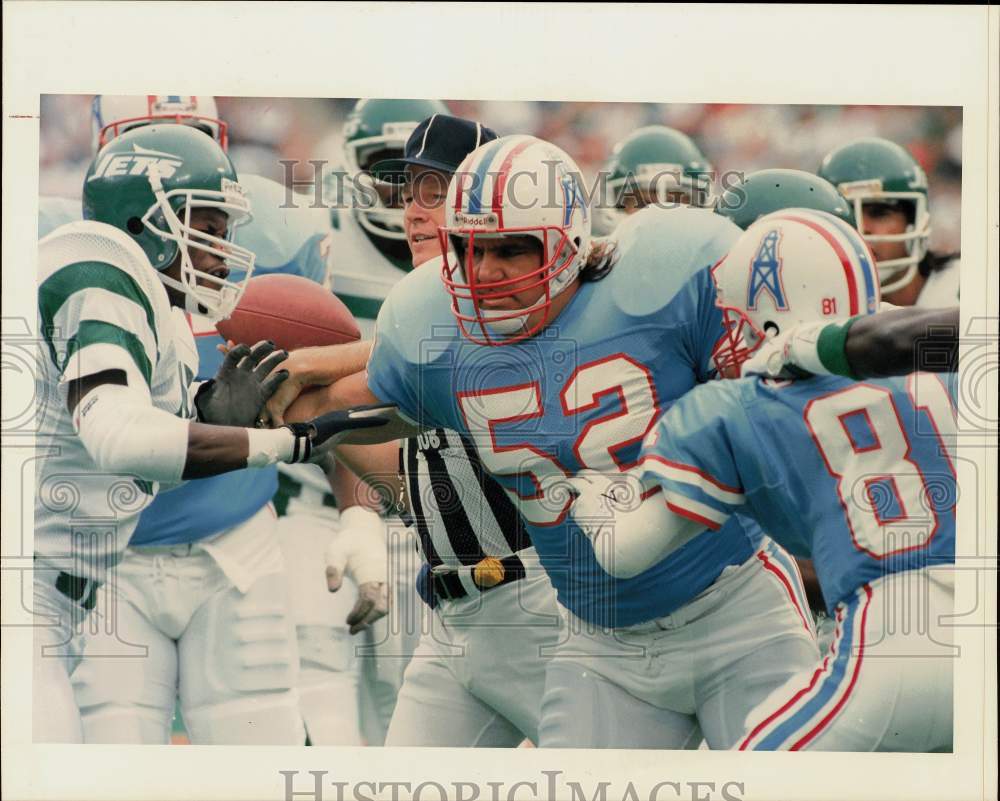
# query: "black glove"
244, 383
315, 432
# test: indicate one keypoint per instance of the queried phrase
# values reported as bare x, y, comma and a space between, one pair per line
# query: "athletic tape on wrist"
831, 348
362, 533
270, 446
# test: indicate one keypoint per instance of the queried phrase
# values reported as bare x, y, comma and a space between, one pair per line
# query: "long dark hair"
600, 259
934, 262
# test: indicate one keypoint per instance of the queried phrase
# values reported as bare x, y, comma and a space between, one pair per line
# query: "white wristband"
269, 446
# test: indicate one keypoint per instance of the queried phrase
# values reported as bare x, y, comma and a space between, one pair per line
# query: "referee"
476, 678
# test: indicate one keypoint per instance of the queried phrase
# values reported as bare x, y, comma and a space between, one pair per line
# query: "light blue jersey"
580, 394
856, 475
285, 241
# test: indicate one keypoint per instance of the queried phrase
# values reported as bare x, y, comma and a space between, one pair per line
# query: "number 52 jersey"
582, 393
858, 475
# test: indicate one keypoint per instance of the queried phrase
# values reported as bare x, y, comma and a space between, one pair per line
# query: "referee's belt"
488, 574
80, 590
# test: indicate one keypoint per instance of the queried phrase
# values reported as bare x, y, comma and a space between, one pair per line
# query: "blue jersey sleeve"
690, 455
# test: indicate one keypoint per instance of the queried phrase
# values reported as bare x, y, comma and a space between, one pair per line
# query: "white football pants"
207, 620
58, 623
655, 684
328, 669
477, 677
886, 682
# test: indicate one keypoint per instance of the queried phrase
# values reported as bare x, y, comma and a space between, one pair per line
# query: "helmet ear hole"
135, 226
771, 327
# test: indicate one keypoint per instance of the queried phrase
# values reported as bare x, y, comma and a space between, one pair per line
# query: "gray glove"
244, 383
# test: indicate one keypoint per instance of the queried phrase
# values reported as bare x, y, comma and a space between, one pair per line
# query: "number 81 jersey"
858, 475
582, 393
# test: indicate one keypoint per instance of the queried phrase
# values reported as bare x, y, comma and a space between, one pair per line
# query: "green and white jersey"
357, 272
101, 306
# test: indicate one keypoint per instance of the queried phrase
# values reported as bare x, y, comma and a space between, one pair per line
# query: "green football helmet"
877, 171
146, 182
765, 191
378, 129
658, 160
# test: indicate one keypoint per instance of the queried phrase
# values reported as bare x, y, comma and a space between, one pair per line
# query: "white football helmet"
513, 186
112, 115
791, 266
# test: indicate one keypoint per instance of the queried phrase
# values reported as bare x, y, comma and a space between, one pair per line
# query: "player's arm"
378, 468
688, 457
352, 392
318, 367
900, 341
889, 343
385, 373
124, 432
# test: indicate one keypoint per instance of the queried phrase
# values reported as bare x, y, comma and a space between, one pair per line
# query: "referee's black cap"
441, 142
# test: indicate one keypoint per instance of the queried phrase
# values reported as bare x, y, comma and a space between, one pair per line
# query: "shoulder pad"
88, 240
660, 250
416, 312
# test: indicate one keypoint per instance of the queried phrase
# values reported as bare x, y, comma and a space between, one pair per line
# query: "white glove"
603, 509
600, 497
629, 535
359, 549
791, 354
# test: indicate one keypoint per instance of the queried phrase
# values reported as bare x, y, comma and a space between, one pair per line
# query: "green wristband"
831, 348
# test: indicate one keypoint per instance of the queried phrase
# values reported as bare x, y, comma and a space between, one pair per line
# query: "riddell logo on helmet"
480, 222
136, 163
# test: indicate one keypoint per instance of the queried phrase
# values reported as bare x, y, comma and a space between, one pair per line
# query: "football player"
160, 206
655, 165
217, 535
561, 359
756, 195
888, 190
859, 476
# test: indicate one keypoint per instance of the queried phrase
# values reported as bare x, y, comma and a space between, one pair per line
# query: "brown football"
291, 311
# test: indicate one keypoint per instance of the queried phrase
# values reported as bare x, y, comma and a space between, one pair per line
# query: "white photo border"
885, 55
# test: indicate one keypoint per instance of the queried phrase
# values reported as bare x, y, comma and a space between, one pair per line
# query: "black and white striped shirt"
460, 513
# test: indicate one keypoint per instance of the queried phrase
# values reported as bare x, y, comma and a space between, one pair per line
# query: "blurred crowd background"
733, 137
